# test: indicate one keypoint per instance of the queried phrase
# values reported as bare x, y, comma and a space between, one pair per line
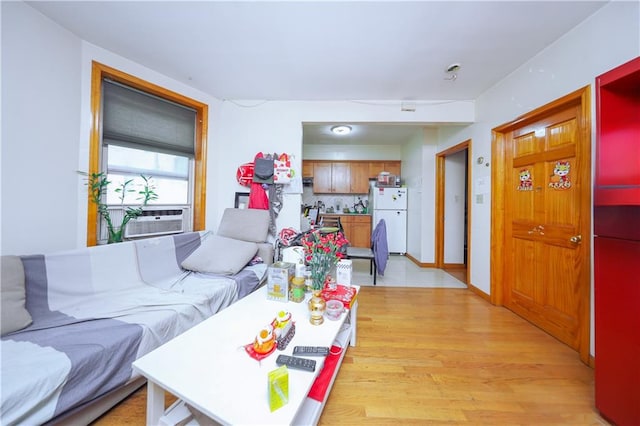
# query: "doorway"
452, 211
541, 218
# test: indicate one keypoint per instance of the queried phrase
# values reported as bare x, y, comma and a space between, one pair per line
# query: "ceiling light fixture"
341, 130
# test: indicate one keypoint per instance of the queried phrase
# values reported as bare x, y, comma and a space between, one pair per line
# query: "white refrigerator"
390, 204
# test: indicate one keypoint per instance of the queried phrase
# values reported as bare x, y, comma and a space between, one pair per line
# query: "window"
143, 129
170, 174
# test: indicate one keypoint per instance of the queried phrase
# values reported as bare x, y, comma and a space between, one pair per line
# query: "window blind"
135, 119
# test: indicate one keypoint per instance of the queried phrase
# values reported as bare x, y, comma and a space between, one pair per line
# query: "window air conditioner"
155, 222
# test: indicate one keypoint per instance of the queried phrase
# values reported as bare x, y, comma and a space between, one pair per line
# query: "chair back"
331, 222
379, 244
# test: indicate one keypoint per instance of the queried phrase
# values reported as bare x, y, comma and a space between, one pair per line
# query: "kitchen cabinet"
375, 167
345, 177
357, 228
307, 168
359, 177
332, 177
322, 176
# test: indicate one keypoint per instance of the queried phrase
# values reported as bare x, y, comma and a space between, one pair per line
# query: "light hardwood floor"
444, 356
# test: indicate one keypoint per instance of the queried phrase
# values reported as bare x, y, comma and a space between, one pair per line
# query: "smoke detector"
455, 67
452, 70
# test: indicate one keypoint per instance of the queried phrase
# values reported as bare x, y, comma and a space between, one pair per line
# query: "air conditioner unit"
155, 222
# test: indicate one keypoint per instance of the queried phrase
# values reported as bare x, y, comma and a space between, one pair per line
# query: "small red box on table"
347, 295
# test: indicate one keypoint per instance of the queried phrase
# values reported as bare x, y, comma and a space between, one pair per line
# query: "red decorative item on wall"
244, 174
258, 196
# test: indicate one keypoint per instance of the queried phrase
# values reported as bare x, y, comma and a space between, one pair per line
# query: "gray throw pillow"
220, 255
245, 224
14, 314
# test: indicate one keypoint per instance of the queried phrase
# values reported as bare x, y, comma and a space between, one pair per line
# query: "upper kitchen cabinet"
359, 177
339, 177
375, 167
307, 168
345, 177
331, 177
618, 136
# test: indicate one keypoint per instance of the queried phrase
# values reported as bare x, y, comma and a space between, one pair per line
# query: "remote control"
296, 363
311, 350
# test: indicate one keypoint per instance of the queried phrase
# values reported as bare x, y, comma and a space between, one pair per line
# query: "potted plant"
98, 184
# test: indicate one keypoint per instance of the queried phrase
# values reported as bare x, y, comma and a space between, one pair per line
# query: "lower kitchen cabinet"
357, 228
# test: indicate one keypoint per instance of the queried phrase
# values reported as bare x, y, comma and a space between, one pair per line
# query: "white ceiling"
325, 50
361, 134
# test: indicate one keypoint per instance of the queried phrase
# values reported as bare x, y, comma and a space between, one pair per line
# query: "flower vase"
116, 234
317, 306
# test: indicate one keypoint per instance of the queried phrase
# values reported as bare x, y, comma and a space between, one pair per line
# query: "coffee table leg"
155, 403
354, 322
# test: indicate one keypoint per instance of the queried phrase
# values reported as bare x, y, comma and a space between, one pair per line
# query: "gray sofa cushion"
266, 251
245, 224
221, 255
14, 314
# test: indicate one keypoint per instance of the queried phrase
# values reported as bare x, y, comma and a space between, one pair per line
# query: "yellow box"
278, 388
279, 279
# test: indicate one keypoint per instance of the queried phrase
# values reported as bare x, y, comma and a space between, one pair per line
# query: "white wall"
46, 77
607, 39
40, 130
277, 126
90, 53
352, 152
412, 177
46, 81
418, 172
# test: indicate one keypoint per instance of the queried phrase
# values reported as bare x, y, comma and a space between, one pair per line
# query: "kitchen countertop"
344, 214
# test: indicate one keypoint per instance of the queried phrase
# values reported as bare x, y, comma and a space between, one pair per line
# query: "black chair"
378, 234
365, 253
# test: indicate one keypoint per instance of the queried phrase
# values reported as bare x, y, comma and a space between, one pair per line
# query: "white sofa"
74, 321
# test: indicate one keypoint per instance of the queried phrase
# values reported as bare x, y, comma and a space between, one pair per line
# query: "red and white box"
346, 294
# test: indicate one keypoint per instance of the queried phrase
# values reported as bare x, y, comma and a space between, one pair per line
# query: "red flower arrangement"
322, 252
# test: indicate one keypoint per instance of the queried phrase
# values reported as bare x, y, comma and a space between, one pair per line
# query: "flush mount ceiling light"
341, 130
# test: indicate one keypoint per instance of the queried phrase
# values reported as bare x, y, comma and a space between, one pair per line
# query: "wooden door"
546, 190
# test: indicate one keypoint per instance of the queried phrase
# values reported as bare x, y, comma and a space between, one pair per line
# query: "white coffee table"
208, 368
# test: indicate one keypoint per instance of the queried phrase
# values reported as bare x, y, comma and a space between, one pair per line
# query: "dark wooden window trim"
98, 73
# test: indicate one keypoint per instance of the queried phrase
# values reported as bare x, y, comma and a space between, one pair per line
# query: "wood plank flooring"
444, 356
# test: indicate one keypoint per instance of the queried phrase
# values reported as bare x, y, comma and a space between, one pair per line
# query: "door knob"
576, 239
